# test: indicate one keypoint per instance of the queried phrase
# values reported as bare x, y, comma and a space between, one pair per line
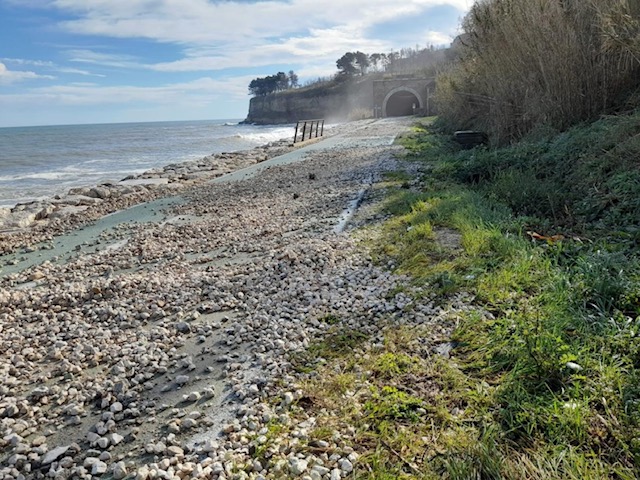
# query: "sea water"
40, 162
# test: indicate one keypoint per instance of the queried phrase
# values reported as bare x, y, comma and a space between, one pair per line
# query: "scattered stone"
98, 468
53, 455
231, 280
298, 466
120, 471
193, 397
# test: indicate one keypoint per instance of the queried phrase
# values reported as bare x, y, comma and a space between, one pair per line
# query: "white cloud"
77, 71
8, 77
244, 33
105, 59
204, 90
437, 38
204, 22
31, 63
48, 66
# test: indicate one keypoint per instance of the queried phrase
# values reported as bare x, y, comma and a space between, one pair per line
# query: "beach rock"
346, 466
115, 438
120, 471
53, 455
98, 468
20, 219
183, 327
83, 191
298, 466
99, 192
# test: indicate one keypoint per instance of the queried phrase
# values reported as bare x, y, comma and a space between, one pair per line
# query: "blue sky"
102, 61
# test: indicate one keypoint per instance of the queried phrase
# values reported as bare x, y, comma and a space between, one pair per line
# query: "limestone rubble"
161, 350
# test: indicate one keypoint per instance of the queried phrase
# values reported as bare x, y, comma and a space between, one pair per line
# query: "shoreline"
38, 222
163, 349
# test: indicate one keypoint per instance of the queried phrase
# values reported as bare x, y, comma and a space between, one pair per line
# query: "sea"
40, 162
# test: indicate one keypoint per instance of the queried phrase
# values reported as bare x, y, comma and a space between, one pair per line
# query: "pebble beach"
154, 343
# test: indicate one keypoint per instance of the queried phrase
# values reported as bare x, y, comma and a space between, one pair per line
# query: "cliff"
335, 101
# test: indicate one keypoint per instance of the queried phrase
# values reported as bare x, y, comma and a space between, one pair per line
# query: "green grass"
545, 380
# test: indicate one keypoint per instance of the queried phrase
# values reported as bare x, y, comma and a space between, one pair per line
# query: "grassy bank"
542, 375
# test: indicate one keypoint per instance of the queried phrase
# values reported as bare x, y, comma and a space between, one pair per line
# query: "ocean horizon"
39, 162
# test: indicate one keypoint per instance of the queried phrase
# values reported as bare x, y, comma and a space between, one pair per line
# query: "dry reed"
524, 64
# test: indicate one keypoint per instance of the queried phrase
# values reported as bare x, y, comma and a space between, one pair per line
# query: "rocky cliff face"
336, 102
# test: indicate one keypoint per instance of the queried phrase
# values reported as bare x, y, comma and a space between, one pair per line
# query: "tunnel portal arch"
401, 101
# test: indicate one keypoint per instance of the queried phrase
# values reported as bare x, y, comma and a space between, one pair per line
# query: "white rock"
119, 471
115, 438
98, 468
103, 442
53, 455
288, 398
345, 465
298, 466
143, 473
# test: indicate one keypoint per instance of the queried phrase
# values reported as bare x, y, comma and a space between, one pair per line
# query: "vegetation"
529, 64
542, 379
421, 61
273, 83
351, 63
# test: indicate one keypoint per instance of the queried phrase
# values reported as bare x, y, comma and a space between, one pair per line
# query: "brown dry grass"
524, 64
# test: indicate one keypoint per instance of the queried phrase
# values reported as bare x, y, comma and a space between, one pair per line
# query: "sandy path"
157, 349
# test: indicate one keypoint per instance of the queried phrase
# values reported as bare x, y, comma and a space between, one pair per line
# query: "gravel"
159, 350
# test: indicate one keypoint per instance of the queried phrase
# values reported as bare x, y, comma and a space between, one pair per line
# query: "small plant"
390, 365
331, 319
389, 403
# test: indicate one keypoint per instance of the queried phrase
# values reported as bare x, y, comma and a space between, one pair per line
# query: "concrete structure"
403, 96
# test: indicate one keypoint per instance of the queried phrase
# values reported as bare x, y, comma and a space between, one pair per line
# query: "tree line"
405, 60
273, 83
353, 64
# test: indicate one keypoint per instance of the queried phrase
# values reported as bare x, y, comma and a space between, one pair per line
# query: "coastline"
27, 224
160, 350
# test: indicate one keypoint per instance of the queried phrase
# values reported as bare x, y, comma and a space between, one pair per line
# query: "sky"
105, 61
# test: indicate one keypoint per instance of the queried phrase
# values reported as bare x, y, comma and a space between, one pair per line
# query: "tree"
375, 59
293, 79
346, 64
281, 81
272, 83
392, 59
362, 61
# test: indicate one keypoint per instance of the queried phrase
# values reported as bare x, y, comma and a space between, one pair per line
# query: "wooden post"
308, 124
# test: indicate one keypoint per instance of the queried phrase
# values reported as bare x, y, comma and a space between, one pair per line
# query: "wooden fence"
305, 127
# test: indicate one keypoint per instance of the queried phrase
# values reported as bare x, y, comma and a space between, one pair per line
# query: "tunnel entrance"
401, 104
